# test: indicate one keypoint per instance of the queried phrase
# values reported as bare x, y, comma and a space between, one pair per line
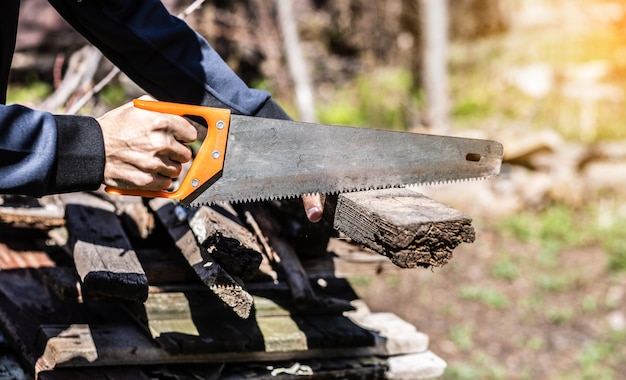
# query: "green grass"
481, 367
492, 298
556, 227
559, 227
505, 269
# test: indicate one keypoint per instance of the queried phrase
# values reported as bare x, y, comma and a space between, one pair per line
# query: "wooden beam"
409, 228
104, 258
228, 288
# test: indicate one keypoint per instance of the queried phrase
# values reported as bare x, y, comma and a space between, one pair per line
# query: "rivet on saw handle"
208, 163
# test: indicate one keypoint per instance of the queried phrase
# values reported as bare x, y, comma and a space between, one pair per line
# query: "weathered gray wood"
186, 333
104, 258
228, 288
61, 338
409, 228
227, 241
21, 211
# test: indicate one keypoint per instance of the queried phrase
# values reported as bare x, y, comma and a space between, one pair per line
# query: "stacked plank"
147, 289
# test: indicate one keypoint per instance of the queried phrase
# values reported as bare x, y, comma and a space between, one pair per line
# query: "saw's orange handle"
209, 161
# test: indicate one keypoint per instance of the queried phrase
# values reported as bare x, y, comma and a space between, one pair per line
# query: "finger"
159, 182
154, 182
182, 130
133, 178
169, 168
313, 207
178, 152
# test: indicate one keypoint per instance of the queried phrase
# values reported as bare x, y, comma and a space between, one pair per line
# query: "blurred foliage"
556, 227
560, 227
490, 297
29, 93
379, 99
114, 95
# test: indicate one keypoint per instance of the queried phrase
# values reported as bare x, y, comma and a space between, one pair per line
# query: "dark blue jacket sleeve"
41, 153
163, 55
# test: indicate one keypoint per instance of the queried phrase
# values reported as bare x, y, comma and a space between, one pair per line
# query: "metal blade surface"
273, 159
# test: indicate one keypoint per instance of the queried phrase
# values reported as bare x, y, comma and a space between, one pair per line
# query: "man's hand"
144, 149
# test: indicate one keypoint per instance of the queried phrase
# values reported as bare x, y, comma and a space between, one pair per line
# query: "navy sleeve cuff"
80, 158
271, 110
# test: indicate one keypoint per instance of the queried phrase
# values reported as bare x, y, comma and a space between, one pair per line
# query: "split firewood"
104, 258
409, 228
227, 240
226, 286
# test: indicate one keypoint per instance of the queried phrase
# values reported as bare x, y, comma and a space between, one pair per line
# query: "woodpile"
124, 287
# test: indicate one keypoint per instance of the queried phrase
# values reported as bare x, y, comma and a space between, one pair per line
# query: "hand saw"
246, 159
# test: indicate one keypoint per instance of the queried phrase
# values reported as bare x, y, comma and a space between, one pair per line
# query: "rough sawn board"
408, 227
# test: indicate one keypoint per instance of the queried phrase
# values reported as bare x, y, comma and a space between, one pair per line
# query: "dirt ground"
498, 310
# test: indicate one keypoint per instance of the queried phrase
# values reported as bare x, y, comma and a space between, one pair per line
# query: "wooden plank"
213, 339
104, 258
338, 368
59, 335
22, 211
84, 345
409, 228
104, 373
228, 288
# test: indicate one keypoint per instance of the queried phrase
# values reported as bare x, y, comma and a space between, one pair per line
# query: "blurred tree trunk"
296, 61
427, 26
434, 73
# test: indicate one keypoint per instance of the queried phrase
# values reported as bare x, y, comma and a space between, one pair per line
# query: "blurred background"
541, 293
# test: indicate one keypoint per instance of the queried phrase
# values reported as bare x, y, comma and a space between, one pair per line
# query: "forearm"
44, 154
163, 55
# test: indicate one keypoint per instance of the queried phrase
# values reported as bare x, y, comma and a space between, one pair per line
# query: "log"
407, 227
104, 258
228, 288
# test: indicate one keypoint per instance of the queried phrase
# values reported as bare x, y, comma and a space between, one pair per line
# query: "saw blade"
269, 159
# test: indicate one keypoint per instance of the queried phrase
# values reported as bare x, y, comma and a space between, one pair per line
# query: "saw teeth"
339, 191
